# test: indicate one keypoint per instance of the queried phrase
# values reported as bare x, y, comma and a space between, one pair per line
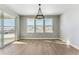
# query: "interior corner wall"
25, 35
69, 25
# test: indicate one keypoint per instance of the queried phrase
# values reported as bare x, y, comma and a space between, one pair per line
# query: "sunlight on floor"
19, 43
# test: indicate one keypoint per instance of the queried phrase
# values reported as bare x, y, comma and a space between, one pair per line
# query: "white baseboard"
40, 38
69, 43
76, 47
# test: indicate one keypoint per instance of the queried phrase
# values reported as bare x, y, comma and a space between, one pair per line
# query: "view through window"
39, 26
30, 25
48, 25
9, 28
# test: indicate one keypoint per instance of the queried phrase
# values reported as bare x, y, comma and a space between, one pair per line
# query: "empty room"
39, 29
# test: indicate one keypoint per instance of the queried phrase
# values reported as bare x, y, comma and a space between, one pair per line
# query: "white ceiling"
32, 9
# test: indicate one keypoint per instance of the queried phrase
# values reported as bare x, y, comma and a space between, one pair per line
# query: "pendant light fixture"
39, 14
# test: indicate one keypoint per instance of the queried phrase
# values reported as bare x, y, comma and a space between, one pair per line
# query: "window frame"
43, 26
38, 25
50, 25
28, 25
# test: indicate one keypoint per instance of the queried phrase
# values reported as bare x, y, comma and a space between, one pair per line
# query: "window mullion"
52, 25
44, 25
35, 25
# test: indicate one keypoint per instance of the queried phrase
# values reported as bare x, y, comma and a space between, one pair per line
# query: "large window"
48, 25
40, 25
9, 28
30, 25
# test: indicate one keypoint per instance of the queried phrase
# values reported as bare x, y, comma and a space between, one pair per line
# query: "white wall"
70, 25
25, 35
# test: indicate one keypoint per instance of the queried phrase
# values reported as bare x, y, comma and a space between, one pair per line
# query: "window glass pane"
48, 25
30, 25
48, 21
30, 22
9, 22
39, 25
9, 25
9, 28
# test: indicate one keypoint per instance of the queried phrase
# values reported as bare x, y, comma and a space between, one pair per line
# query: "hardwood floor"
39, 47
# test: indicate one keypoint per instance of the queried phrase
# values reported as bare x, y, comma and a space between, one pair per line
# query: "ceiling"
32, 9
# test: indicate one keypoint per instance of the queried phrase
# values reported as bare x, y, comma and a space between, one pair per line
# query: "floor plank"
39, 47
